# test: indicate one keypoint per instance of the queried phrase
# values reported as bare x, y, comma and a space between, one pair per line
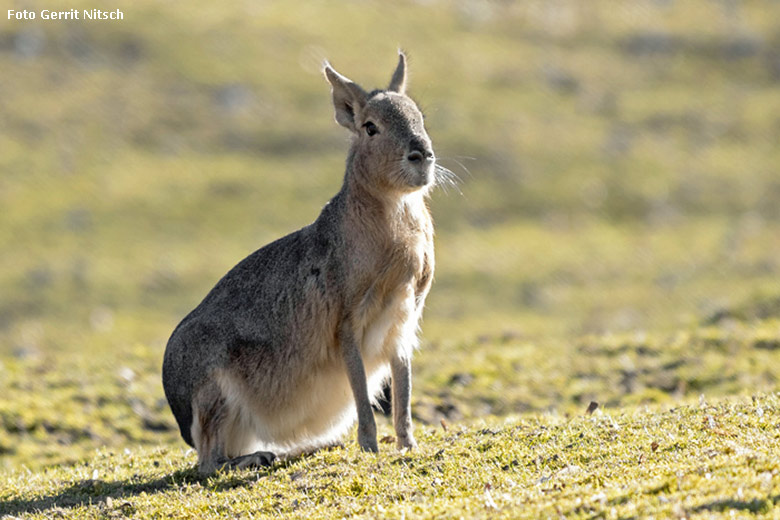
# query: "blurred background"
617, 236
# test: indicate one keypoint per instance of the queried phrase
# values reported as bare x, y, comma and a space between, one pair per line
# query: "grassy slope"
612, 208
688, 461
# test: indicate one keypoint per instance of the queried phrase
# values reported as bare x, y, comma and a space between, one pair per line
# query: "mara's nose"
419, 152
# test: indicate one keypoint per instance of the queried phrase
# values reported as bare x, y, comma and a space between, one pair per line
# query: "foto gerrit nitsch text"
70, 14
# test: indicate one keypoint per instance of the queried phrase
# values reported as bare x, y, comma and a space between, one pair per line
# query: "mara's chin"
417, 179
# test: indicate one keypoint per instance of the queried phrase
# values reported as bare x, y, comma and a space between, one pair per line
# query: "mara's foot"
407, 442
258, 459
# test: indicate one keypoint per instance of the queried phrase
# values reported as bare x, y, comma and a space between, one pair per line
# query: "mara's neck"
380, 207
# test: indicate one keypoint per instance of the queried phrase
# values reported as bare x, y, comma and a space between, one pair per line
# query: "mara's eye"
371, 128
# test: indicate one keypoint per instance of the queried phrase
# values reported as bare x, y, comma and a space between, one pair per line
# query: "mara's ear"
348, 98
398, 82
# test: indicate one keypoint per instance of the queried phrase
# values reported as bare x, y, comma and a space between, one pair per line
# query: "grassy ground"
702, 460
616, 241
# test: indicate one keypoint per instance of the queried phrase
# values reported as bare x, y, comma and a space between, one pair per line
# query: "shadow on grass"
754, 506
94, 493
762, 506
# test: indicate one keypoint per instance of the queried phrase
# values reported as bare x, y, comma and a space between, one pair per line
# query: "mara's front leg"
356, 373
401, 367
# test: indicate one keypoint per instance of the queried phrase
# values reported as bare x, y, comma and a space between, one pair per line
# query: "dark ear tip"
398, 81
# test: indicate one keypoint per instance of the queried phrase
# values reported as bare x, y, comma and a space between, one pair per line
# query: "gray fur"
293, 342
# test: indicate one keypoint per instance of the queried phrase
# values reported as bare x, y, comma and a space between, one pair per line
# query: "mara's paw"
258, 459
368, 443
407, 442
367, 436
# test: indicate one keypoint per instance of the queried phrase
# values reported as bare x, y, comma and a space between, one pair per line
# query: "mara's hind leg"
213, 423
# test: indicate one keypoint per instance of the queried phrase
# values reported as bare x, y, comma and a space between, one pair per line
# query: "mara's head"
391, 149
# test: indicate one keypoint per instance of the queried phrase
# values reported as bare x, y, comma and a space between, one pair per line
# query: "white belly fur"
323, 411
394, 330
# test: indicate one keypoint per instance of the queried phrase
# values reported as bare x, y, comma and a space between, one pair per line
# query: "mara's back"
293, 343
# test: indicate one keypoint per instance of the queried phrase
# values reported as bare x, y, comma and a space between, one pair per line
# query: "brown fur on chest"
390, 253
